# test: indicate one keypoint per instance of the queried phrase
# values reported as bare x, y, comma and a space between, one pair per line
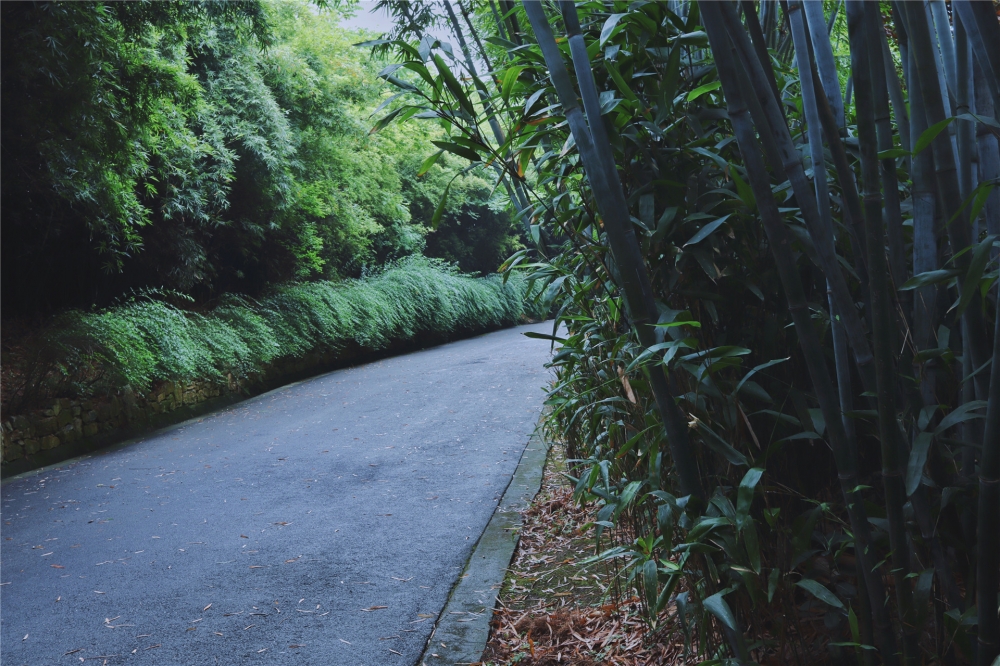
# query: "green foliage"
744, 332
210, 148
147, 340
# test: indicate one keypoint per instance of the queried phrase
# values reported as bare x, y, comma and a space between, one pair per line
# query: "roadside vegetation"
771, 234
146, 340
192, 191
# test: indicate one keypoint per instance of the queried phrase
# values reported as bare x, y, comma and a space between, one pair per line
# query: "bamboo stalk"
760, 45
883, 127
984, 34
823, 52
779, 242
624, 248
815, 135
947, 180
773, 121
988, 523
893, 464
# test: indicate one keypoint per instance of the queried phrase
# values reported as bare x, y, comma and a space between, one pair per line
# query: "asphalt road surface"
322, 523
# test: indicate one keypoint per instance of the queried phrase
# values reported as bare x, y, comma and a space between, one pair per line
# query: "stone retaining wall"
70, 421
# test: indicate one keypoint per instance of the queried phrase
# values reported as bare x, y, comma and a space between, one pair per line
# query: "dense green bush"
210, 148
145, 341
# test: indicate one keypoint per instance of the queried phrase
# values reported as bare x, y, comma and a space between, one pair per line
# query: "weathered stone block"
13, 451
56, 408
32, 446
23, 424
68, 435
64, 418
91, 429
116, 406
77, 410
89, 417
103, 411
50, 442
48, 425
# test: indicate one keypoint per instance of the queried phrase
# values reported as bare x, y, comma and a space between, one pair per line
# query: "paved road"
322, 523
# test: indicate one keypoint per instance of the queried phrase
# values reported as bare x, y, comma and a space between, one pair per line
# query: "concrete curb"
462, 629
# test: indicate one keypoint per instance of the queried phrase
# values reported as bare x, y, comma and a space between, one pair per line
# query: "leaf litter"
553, 610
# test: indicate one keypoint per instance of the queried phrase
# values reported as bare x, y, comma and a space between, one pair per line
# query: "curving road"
322, 523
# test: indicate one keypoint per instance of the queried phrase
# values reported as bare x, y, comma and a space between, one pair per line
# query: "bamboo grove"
770, 231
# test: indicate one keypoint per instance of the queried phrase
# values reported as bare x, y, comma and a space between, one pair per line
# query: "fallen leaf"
373, 608
294, 645
342, 640
244, 536
282, 523
206, 608
57, 566
394, 652
256, 566
73, 651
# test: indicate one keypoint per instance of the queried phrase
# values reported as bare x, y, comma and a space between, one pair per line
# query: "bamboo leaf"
718, 607
509, 79
461, 151
929, 278
960, 414
982, 193
757, 369
745, 494
701, 90
453, 85
609, 28
620, 83
428, 163
649, 576
970, 285
439, 211
817, 589
915, 465
385, 120
522, 160
930, 134
893, 153
721, 446
706, 231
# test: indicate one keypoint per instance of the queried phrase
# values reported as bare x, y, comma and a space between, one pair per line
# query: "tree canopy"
207, 148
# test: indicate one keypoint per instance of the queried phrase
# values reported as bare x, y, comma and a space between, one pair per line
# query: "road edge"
463, 626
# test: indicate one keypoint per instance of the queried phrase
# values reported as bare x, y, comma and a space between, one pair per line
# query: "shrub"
146, 341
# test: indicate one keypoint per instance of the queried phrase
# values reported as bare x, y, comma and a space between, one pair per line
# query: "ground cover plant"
147, 340
770, 230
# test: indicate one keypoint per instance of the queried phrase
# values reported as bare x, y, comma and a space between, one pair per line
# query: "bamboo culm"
946, 176
617, 224
893, 463
779, 242
773, 128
